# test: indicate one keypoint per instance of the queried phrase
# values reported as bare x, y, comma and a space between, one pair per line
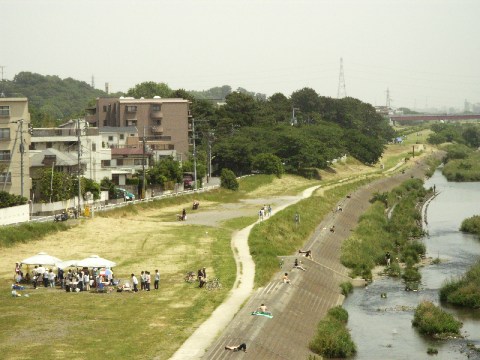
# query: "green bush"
394, 270
8, 200
471, 225
333, 339
346, 288
228, 180
411, 274
432, 320
465, 291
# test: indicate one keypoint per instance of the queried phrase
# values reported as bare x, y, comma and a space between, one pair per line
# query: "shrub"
471, 225
432, 320
465, 291
333, 339
394, 270
8, 200
346, 288
228, 180
411, 274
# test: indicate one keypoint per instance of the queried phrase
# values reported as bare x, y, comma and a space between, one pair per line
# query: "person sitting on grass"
296, 265
242, 346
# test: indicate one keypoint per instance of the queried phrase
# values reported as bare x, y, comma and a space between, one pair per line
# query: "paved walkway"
201, 339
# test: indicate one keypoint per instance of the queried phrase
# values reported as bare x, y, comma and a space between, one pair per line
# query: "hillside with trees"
51, 100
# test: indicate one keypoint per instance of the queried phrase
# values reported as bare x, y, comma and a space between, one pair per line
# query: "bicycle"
213, 284
190, 277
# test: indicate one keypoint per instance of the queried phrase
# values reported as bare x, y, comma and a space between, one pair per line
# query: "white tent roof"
96, 261
66, 264
41, 259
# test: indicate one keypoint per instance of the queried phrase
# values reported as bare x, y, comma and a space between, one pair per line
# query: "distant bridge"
436, 117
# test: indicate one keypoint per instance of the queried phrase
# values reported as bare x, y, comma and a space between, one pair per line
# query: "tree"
242, 108
228, 180
149, 89
58, 187
164, 170
472, 136
306, 100
268, 164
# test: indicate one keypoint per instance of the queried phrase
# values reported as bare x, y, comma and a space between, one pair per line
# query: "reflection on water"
382, 327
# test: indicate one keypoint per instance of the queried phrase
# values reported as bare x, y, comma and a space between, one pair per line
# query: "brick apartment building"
164, 122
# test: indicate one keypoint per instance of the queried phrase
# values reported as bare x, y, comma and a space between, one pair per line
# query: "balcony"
156, 114
157, 130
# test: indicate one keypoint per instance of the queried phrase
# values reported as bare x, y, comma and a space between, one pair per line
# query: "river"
381, 327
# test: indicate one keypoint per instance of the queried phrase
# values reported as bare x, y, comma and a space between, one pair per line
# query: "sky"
425, 52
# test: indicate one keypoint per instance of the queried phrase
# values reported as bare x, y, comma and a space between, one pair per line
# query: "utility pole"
1, 70
144, 187
79, 154
342, 90
51, 181
194, 155
209, 172
22, 151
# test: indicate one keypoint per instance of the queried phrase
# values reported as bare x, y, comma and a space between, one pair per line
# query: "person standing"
148, 280
86, 281
388, 258
157, 279
135, 283
142, 280
51, 278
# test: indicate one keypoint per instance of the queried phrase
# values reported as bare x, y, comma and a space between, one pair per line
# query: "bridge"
433, 117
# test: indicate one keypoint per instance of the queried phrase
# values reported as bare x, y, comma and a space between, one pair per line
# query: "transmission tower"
389, 99
342, 90
93, 81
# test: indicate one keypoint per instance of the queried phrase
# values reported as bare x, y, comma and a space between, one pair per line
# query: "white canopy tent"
96, 261
66, 264
41, 258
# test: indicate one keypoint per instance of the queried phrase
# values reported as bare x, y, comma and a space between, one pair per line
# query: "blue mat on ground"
261, 313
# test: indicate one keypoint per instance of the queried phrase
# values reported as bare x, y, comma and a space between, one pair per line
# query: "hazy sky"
427, 52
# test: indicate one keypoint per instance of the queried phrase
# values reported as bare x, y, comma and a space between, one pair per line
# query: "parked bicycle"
213, 284
190, 277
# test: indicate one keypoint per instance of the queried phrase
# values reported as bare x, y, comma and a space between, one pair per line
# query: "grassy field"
53, 324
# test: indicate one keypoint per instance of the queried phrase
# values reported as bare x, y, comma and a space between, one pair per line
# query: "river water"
381, 327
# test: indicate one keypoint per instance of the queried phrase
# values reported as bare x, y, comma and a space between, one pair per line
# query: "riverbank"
300, 305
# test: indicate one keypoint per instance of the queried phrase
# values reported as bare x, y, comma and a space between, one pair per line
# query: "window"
4, 155
110, 138
119, 162
138, 161
5, 177
105, 163
4, 134
5, 110
159, 122
156, 107
132, 123
49, 145
131, 108
94, 147
104, 108
122, 136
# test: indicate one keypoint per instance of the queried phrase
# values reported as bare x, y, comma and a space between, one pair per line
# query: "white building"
64, 139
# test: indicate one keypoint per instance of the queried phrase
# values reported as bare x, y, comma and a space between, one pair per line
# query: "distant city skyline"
425, 52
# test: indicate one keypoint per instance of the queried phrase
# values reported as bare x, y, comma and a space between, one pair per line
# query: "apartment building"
59, 147
14, 143
163, 122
